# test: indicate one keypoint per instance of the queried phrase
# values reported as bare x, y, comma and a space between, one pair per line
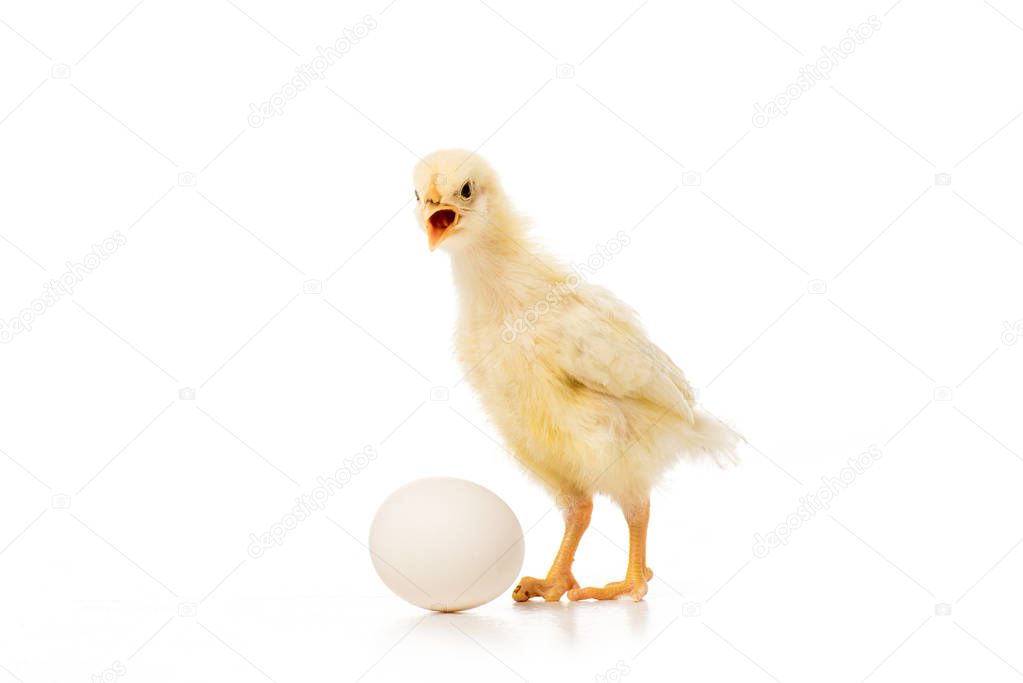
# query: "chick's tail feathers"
708, 436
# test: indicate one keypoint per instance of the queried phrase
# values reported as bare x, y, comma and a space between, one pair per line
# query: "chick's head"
457, 198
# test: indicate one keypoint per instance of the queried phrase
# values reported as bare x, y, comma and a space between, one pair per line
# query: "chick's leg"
559, 579
637, 574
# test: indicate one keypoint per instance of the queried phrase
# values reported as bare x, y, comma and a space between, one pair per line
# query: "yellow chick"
585, 401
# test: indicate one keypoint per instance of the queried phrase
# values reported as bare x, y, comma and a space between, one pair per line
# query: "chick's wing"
595, 340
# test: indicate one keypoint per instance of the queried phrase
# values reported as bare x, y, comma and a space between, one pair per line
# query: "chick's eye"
466, 191
417, 194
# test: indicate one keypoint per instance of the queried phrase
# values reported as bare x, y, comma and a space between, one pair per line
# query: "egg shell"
446, 544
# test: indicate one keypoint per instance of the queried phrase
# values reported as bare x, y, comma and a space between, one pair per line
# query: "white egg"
446, 544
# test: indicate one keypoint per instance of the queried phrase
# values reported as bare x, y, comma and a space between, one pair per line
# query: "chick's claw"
550, 589
629, 588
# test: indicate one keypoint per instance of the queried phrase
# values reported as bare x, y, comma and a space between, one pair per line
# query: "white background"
810, 277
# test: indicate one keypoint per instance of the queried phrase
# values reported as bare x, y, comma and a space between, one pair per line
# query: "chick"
585, 401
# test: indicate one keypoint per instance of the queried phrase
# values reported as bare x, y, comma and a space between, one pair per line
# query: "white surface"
446, 544
829, 289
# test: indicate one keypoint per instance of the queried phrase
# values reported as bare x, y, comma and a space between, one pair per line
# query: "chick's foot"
634, 588
550, 589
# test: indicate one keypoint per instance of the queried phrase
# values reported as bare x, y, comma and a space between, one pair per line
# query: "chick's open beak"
439, 223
